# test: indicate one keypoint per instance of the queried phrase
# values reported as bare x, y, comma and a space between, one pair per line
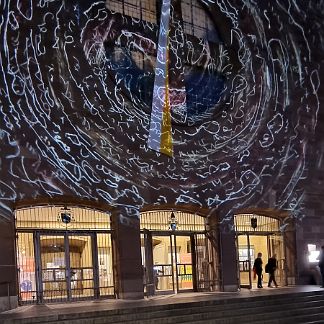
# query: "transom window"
162, 220
255, 223
52, 217
196, 20
141, 9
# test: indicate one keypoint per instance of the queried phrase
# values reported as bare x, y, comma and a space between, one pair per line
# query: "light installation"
169, 92
75, 106
160, 136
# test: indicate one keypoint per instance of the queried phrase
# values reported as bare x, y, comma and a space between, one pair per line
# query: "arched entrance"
64, 253
178, 255
254, 234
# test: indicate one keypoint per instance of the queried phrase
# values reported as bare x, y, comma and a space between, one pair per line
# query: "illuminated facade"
137, 108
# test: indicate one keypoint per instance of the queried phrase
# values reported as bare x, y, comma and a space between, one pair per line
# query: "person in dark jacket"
321, 264
257, 267
272, 266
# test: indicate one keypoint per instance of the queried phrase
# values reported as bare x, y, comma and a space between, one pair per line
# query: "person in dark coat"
272, 266
257, 267
321, 264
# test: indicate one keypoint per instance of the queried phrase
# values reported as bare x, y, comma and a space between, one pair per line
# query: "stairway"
290, 308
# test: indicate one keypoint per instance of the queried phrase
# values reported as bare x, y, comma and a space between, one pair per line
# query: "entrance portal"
63, 261
172, 263
178, 258
265, 238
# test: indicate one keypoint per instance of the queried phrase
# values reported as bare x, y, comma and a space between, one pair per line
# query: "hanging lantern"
173, 222
65, 216
254, 222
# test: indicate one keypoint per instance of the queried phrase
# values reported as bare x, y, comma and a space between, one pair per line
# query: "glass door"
204, 272
245, 261
26, 267
105, 264
249, 246
65, 264
258, 244
184, 248
171, 262
163, 268
276, 247
52, 267
80, 270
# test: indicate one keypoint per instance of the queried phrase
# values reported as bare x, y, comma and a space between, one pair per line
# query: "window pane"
197, 21
140, 9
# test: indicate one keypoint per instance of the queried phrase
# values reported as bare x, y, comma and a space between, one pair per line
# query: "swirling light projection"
75, 106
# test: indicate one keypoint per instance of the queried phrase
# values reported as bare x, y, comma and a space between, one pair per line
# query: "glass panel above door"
171, 220
255, 223
61, 217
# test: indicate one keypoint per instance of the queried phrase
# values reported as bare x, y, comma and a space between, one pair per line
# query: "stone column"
228, 261
214, 263
223, 240
128, 269
8, 268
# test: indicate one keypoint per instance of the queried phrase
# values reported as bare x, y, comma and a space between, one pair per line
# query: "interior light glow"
313, 254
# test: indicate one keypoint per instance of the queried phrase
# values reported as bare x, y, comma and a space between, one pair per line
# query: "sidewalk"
31, 311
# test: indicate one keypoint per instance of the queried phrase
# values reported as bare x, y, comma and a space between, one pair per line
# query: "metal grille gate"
68, 264
177, 259
258, 233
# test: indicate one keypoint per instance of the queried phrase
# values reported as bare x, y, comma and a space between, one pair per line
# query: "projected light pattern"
74, 121
160, 137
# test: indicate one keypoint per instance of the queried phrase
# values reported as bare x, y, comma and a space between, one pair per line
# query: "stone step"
216, 305
303, 319
253, 309
286, 316
314, 318
244, 310
243, 317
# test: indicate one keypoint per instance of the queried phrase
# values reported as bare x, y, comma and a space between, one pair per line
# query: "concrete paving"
32, 311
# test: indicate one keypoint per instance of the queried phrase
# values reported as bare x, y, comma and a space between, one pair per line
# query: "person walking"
257, 267
321, 264
272, 266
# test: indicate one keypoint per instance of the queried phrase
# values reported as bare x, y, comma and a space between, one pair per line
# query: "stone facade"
75, 107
